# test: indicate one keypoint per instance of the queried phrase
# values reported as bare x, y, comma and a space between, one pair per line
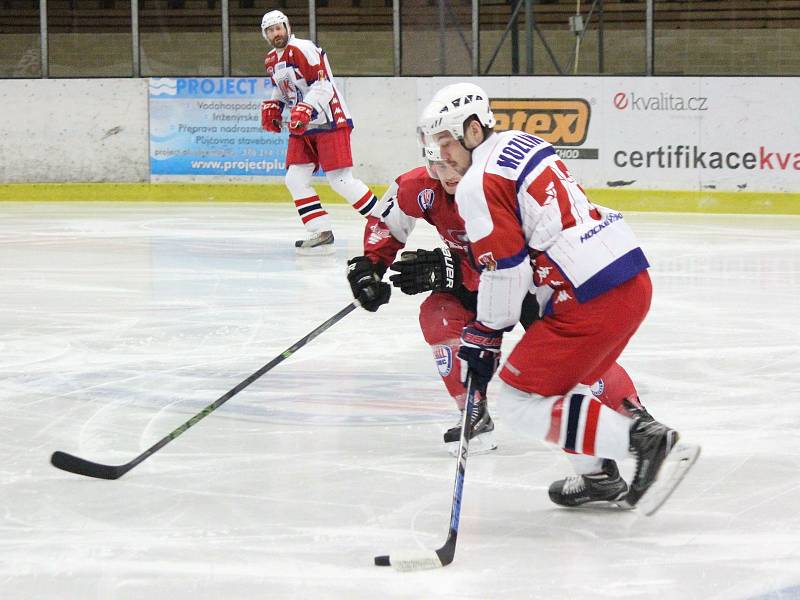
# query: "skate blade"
324, 250
477, 446
675, 467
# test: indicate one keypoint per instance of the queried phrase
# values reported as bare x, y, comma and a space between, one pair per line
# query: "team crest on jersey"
487, 260
425, 199
443, 356
598, 388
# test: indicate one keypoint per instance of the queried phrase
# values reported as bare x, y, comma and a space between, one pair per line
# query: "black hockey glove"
425, 271
480, 350
365, 281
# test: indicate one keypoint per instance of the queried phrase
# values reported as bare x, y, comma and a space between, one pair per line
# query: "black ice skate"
482, 439
637, 410
318, 244
603, 486
661, 464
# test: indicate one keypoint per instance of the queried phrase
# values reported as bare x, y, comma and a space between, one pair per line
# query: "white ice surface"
118, 322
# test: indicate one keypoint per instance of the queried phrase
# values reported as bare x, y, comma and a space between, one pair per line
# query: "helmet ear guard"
430, 152
274, 17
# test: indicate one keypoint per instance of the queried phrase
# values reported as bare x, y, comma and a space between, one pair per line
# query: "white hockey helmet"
451, 106
274, 17
430, 149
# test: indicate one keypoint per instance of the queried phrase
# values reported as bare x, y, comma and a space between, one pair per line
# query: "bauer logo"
564, 122
425, 199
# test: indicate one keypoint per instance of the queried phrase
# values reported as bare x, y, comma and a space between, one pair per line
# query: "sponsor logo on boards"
564, 122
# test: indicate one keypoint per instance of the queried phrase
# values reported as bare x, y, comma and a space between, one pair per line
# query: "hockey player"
448, 273
319, 129
427, 193
528, 221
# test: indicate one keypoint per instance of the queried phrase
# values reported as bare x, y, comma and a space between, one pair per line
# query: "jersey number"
556, 184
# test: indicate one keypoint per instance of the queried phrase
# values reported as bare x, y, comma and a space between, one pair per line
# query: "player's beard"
279, 42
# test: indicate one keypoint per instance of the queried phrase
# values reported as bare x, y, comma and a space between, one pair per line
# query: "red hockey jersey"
416, 195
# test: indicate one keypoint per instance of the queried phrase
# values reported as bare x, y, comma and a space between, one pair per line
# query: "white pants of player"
316, 218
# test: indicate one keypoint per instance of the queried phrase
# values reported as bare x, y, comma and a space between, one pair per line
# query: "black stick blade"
80, 466
447, 552
382, 561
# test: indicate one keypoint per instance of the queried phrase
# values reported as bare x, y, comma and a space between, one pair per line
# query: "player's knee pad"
353, 190
298, 181
344, 184
529, 414
442, 317
342, 180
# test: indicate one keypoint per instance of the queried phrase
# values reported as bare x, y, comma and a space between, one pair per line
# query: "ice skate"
661, 464
637, 410
604, 486
319, 244
482, 439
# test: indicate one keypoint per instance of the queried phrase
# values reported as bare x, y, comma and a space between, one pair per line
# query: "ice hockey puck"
382, 561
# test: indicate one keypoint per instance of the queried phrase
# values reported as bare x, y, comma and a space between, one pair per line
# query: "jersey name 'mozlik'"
516, 149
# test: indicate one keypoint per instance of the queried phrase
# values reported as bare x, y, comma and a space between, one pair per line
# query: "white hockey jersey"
300, 72
531, 226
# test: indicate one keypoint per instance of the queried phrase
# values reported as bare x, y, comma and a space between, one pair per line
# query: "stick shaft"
83, 467
447, 552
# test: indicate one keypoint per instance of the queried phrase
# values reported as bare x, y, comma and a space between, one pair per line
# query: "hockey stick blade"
426, 559
81, 466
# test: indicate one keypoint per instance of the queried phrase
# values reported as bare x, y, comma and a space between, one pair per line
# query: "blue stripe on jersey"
327, 128
533, 162
618, 272
575, 402
507, 263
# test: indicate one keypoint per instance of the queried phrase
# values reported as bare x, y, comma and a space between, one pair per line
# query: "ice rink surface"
121, 321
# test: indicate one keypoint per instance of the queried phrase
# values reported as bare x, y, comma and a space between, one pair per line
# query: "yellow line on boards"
620, 199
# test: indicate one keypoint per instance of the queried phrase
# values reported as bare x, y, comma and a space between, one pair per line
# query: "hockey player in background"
528, 221
448, 273
319, 129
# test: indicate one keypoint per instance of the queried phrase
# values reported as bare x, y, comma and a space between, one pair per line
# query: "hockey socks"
311, 213
578, 423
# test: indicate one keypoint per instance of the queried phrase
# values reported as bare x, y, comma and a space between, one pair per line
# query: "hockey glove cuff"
480, 350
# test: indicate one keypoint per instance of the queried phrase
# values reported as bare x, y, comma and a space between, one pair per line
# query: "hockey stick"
80, 466
427, 559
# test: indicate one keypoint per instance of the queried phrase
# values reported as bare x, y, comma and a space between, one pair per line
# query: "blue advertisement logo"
212, 126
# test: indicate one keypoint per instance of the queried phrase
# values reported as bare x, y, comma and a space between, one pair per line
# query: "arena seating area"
22, 16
